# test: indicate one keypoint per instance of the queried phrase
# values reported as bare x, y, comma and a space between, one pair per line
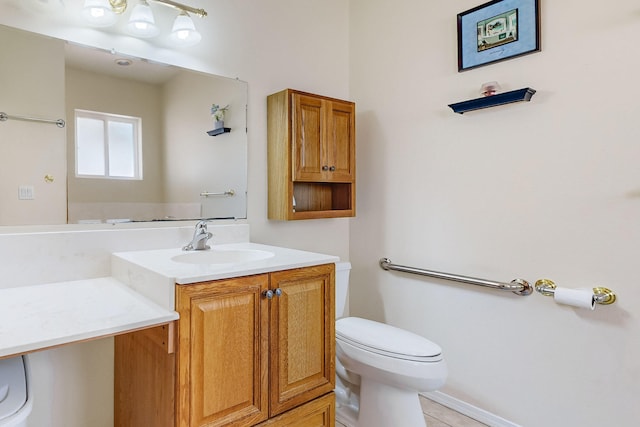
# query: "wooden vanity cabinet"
311, 156
241, 359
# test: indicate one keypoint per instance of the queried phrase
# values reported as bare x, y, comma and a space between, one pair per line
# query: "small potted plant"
217, 113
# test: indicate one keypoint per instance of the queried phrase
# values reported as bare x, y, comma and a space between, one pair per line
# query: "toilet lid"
386, 340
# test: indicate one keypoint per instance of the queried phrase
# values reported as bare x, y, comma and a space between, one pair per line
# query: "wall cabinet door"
302, 336
340, 141
222, 353
308, 142
324, 139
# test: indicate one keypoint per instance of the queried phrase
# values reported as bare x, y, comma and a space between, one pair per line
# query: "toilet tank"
342, 289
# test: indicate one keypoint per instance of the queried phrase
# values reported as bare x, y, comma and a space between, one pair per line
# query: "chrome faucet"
200, 238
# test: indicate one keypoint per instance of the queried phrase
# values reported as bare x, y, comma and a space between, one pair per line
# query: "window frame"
105, 118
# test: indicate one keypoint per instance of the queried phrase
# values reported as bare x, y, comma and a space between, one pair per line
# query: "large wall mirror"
184, 172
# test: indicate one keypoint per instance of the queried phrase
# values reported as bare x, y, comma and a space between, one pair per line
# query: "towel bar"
4, 117
517, 286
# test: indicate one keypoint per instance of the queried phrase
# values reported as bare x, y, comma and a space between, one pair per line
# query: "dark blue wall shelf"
218, 131
493, 100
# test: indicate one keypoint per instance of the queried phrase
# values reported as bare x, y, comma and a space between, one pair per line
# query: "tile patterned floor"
437, 415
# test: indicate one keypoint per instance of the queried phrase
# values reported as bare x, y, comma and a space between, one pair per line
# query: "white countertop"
42, 316
140, 294
160, 261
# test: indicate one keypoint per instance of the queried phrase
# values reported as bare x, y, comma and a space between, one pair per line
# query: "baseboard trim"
469, 410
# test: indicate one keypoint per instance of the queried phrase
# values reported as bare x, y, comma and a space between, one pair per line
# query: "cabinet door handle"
332, 168
269, 294
325, 168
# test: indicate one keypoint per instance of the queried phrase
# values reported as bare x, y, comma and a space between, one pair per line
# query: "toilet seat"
386, 340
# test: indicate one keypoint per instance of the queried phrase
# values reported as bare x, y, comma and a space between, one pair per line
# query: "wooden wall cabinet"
241, 359
311, 156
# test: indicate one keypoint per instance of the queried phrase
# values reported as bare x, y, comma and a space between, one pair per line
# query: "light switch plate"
25, 192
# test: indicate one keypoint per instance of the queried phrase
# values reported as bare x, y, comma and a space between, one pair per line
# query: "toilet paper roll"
582, 298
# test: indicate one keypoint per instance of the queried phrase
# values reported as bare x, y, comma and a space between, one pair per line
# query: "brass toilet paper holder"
601, 295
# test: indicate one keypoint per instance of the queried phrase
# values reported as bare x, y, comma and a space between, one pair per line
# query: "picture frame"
497, 31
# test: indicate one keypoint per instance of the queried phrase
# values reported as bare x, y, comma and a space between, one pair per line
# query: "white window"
108, 146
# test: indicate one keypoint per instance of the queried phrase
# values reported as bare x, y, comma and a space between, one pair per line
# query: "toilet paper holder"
601, 295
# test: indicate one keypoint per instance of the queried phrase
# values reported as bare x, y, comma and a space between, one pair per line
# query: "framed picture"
498, 30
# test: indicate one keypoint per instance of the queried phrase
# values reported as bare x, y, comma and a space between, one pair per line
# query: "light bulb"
141, 23
184, 33
98, 13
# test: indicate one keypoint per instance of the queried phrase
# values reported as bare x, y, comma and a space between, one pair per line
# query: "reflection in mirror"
179, 163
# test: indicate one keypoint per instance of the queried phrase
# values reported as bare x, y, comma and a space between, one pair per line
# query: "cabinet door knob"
268, 294
325, 168
332, 168
277, 292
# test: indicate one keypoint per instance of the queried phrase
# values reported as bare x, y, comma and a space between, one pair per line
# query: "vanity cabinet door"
320, 412
222, 352
302, 336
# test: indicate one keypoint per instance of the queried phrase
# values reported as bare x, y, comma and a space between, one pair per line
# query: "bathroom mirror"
185, 173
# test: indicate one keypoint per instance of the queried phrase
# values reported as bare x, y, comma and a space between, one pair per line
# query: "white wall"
549, 188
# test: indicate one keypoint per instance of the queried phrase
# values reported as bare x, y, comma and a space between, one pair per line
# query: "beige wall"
548, 188
30, 150
543, 189
194, 161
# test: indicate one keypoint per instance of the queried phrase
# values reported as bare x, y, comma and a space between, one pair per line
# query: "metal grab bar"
517, 286
222, 193
4, 117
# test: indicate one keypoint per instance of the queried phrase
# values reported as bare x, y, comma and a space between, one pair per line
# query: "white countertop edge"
42, 316
87, 336
186, 280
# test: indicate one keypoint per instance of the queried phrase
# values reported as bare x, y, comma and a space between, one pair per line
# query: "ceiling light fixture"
103, 13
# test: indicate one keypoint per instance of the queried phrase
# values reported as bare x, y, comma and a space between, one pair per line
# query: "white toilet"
380, 369
16, 399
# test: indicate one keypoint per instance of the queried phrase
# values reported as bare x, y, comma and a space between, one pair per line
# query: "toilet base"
382, 405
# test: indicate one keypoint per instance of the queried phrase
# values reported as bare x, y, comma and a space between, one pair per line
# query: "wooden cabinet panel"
340, 148
320, 412
144, 365
222, 356
308, 150
302, 336
324, 139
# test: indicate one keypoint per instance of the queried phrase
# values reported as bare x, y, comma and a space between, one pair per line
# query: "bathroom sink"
226, 256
